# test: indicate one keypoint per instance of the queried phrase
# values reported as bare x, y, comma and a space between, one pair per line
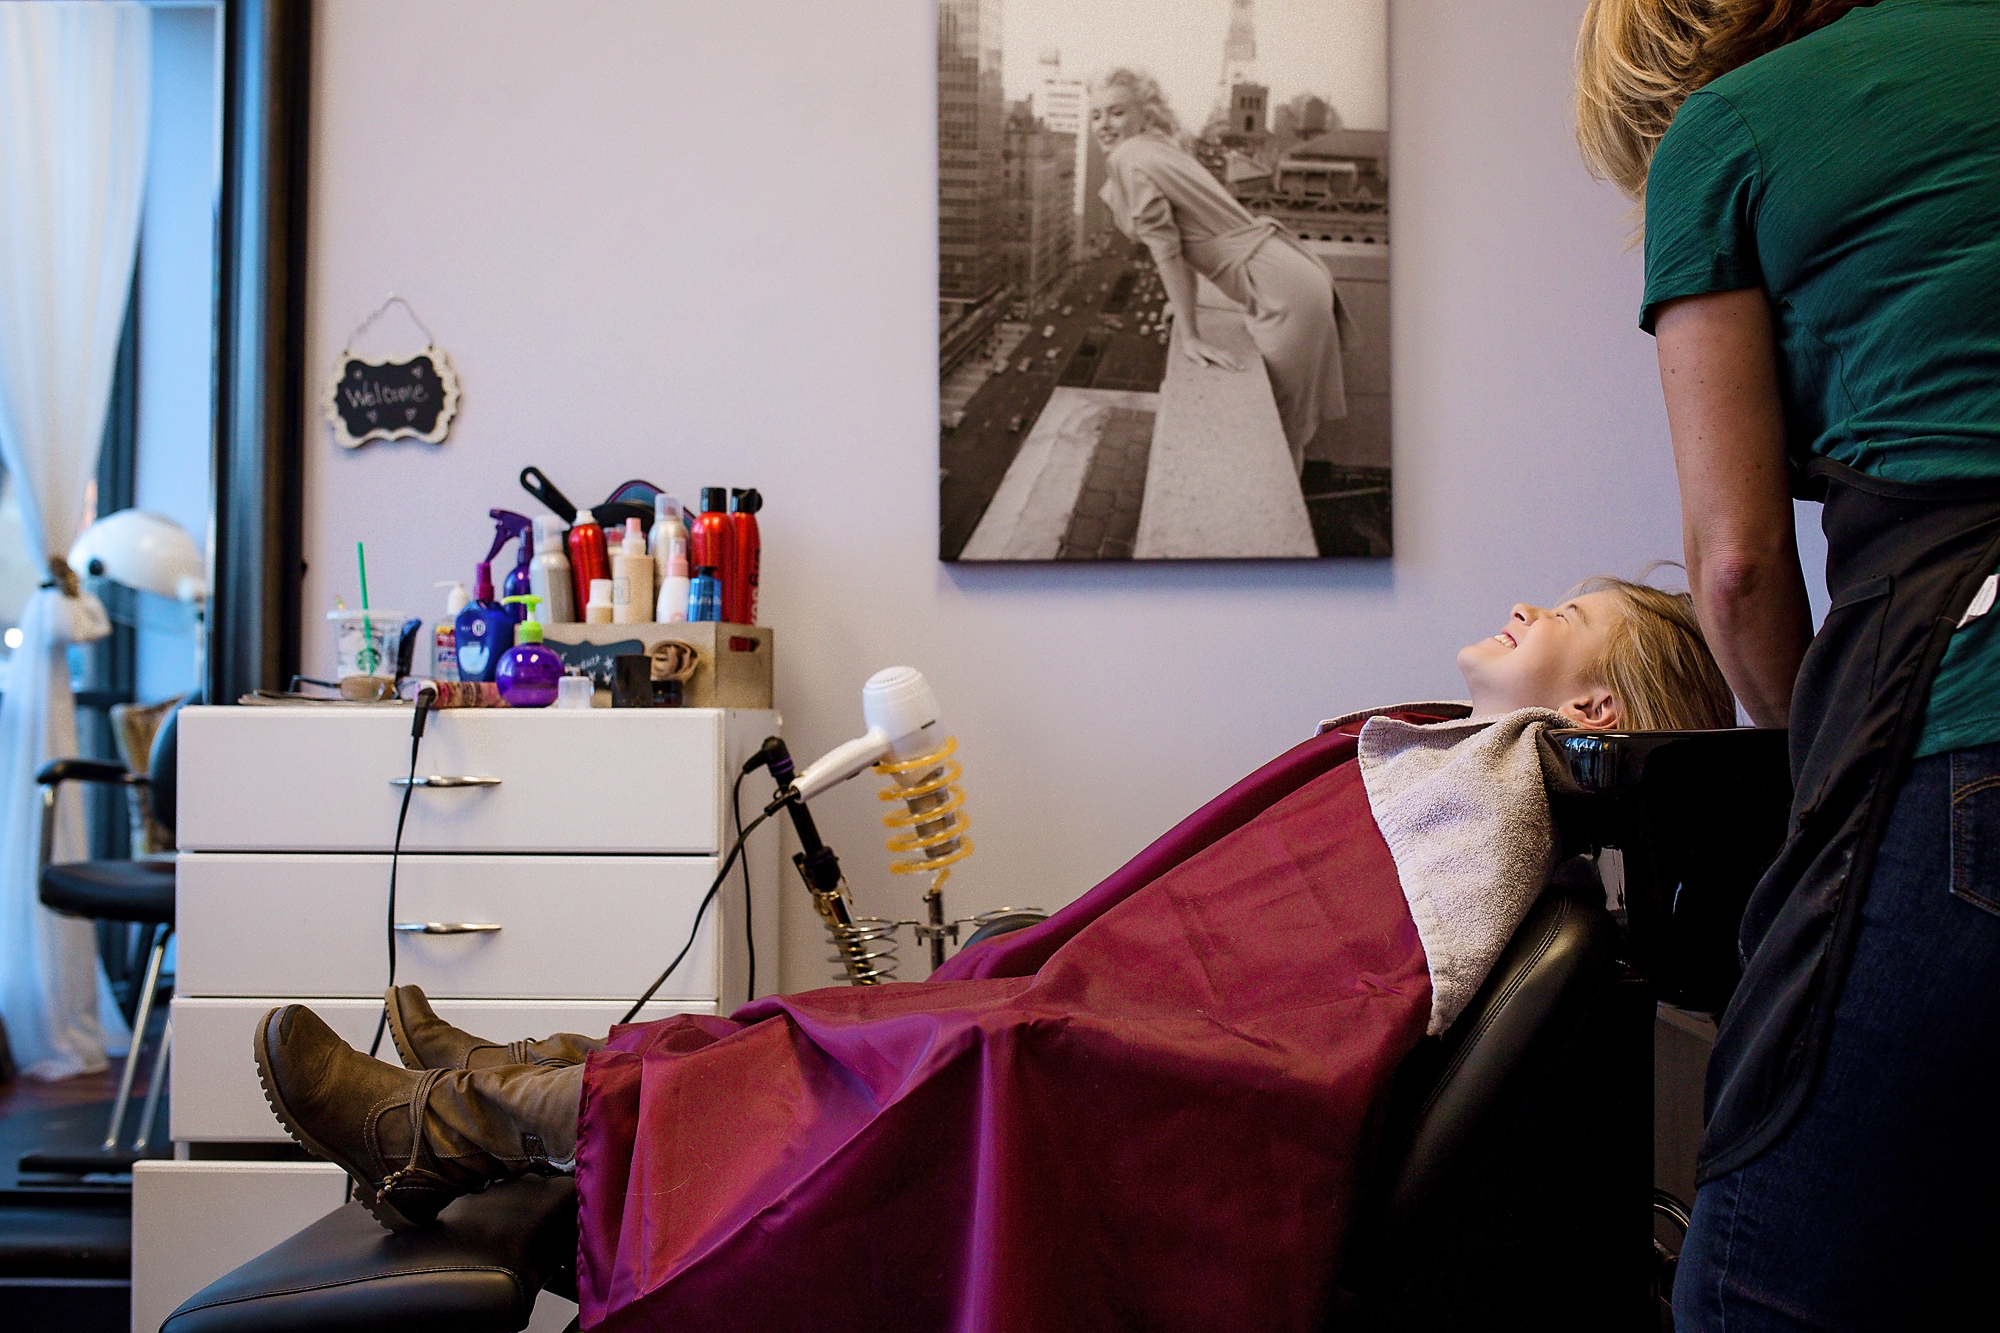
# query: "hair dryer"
901, 711
904, 743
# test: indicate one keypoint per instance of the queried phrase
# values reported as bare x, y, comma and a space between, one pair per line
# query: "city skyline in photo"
1337, 51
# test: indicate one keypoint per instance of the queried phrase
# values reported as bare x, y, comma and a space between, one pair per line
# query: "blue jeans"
1878, 1202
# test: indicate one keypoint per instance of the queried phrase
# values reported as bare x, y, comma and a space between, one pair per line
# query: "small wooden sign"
595, 660
414, 398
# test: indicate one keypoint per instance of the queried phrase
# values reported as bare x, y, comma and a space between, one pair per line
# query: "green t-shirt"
1855, 176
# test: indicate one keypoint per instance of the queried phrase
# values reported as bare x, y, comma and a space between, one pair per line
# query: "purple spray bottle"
509, 526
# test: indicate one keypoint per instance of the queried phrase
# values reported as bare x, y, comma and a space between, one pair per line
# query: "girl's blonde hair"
1657, 664
1638, 60
1146, 95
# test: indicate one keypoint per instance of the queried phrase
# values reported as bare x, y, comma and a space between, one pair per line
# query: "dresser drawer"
320, 779
213, 1084
570, 927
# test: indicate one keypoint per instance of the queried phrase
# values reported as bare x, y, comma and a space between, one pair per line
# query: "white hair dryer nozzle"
901, 712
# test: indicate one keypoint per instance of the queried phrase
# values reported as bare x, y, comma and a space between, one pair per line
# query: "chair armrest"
58, 771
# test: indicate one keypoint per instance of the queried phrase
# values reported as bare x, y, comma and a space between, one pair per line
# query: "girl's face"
1114, 115
1546, 658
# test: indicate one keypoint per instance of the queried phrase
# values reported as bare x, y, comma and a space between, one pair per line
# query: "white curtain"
74, 97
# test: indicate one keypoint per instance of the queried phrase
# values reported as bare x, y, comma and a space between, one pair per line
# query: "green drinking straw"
369, 658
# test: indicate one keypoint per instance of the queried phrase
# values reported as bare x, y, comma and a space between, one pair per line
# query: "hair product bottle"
710, 543
704, 595
485, 629
632, 578
739, 584
528, 672
673, 603
548, 577
588, 558
597, 611
444, 646
667, 529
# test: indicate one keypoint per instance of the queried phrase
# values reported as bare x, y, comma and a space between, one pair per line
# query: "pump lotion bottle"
632, 578
444, 645
484, 630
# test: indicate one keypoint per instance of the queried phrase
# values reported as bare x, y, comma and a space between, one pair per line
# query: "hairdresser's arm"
1718, 367
1178, 278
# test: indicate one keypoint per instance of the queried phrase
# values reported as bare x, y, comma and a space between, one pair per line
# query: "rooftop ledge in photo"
1220, 483
1219, 478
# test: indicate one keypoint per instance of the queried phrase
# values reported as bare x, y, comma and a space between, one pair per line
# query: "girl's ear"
1597, 710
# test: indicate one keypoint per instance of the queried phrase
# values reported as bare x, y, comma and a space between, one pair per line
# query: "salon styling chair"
1514, 1156
140, 892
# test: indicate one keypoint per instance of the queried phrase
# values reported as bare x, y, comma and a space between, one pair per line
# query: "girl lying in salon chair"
1149, 1111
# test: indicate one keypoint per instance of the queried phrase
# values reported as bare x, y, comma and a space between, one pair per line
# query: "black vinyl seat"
1515, 1158
139, 891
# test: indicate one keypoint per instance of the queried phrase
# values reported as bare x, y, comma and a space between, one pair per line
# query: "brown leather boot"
425, 1041
412, 1141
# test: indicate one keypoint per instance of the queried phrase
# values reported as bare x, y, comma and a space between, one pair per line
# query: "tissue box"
735, 668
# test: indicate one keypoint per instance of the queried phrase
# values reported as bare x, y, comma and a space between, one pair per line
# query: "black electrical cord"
749, 935
425, 699
728, 865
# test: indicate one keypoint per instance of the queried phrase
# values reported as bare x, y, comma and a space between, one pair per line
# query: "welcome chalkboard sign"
383, 398
393, 400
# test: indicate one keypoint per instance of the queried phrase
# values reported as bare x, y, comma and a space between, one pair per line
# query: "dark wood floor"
21, 1094
70, 1115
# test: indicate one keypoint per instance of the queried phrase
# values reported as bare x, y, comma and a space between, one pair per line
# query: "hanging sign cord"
382, 310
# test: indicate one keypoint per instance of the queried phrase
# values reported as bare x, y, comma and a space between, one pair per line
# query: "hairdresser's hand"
1208, 354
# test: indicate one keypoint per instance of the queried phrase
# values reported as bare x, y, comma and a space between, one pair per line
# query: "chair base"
115, 1163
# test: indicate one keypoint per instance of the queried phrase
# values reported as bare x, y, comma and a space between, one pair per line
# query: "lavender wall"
695, 243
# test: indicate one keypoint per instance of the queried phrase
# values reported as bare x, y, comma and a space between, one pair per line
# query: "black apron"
1904, 561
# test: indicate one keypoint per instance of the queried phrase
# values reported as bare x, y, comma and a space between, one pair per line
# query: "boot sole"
404, 1051
378, 1208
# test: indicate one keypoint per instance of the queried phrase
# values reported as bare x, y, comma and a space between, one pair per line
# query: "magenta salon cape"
1145, 1113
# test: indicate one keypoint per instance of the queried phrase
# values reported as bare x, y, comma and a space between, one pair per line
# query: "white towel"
1464, 808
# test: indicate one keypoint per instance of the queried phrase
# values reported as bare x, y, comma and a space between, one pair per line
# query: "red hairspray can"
739, 586
587, 557
711, 541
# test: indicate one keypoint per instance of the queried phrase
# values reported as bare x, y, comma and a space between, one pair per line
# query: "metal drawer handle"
436, 780
447, 927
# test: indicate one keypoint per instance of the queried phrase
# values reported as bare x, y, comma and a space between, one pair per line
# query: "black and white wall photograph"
1163, 280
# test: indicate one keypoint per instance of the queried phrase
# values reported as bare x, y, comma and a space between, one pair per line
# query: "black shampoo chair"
1514, 1171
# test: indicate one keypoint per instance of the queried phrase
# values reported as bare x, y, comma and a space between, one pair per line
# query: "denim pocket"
1975, 826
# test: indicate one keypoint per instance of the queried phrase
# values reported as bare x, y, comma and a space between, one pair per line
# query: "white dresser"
552, 863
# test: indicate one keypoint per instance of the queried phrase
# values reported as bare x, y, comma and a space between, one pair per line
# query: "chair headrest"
162, 766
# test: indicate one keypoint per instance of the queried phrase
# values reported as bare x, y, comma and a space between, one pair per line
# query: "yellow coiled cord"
937, 826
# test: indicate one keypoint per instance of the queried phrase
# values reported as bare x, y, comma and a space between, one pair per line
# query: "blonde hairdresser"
1818, 186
